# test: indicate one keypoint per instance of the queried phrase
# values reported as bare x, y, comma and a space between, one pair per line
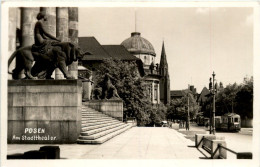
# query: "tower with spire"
165, 79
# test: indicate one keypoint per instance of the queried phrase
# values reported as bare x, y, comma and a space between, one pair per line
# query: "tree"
225, 99
178, 108
244, 99
233, 98
130, 86
157, 115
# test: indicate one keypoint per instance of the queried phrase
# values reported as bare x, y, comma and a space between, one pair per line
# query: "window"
236, 120
146, 60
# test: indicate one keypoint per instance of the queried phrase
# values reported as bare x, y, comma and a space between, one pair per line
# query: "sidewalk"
136, 143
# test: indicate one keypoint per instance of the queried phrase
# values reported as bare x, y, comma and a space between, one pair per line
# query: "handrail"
201, 140
220, 145
216, 151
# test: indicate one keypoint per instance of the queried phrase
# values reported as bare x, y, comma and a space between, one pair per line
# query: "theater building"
139, 50
156, 75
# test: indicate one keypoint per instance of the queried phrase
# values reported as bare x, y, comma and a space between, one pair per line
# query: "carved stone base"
44, 111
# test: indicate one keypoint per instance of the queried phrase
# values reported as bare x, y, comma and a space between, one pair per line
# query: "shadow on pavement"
45, 152
205, 156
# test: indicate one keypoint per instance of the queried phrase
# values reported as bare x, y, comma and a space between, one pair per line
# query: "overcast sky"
197, 40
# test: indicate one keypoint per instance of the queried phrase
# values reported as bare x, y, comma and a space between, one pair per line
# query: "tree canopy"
131, 88
237, 98
178, 108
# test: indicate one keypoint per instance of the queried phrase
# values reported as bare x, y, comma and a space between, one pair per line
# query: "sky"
197, 41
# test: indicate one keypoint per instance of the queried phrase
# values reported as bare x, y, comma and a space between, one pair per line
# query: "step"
92, 113
86, 123
88, 120
104, 138
94, 131
88, 108
95, 118
91, 116
100, 134
88, 115
87, 128
89, 111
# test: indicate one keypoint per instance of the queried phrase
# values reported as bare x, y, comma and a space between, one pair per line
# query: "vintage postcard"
129, 83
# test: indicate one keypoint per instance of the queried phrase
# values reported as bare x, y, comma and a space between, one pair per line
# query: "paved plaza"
136, 143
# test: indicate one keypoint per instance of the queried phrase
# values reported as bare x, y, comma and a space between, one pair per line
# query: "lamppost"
188, 111
188, 116
213, 90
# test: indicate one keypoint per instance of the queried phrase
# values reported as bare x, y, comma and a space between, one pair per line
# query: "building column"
28, 20
158, 94
152, 91
51, 22
62, 33
73, 37
12, 36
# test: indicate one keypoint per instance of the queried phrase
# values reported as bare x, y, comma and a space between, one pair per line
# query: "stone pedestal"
198, 138
44, 111
112, 108
220, 152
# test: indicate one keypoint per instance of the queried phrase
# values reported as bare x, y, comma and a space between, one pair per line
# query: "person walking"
187, 125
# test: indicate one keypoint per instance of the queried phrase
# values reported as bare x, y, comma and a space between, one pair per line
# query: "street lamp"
213, 90
188, 116
189, 95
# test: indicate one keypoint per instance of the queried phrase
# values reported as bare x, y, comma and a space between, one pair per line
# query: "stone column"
62, 31
152, 91
28, 20
158, 93
51, 22
12, 36
73, 36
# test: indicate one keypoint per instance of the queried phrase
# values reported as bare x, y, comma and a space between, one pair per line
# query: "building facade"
156, 75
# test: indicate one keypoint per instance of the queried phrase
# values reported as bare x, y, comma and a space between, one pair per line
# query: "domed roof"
137, 44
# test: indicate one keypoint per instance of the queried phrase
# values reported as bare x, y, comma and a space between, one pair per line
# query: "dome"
137, 44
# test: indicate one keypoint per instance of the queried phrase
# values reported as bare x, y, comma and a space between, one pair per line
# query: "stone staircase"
97, 128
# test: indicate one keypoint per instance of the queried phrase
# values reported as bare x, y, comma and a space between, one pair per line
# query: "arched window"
146, 61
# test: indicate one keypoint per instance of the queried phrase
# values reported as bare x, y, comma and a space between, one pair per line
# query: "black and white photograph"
136, 81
